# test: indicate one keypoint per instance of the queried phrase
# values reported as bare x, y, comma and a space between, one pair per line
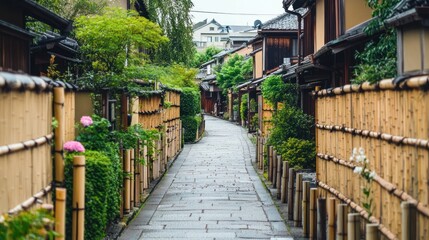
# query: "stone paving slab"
211, 192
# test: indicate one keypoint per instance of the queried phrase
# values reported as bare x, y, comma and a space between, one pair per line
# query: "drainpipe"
299, 32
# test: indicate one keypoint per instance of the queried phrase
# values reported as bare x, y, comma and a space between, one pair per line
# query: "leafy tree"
174, 18
275, 90
107, 40
235, 71
71, 9
207, 55
378, 59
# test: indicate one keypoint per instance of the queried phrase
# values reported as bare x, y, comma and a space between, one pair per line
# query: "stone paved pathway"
211, 192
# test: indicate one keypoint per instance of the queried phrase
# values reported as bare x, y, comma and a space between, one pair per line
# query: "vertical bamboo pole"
313, 213
353, 226
127, 181
270, 163
60, 213
290, 193
279, 175
59, 134
284, 181
297, 212
321, 218
132, 178
305, 208
372, 232
78, 216
331, 218
342, 222
145, 175
274, 176
137, 174
409, 229
257, 149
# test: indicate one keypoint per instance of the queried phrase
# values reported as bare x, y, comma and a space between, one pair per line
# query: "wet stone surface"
211, 192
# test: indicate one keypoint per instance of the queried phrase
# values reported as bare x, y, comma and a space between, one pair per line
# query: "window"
216, 39
209, 39
211, 28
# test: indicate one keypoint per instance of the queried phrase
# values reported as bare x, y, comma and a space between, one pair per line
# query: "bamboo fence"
390, 121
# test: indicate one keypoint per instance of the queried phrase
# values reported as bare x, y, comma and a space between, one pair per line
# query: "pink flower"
74, 146
86, 121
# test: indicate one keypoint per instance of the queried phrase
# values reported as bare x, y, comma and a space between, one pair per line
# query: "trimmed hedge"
190, 124
190, 103
101, 193
300, 153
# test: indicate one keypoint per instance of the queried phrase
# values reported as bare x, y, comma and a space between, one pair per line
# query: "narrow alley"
211, 192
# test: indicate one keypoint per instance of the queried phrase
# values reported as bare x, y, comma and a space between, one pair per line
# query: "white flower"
366, 160
1, 219
372, 175
358, 170
359, 159
352, 158
355, 151
362, 151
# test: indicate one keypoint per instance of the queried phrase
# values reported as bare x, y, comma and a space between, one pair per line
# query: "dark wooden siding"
14, 52
278, 48
309, 30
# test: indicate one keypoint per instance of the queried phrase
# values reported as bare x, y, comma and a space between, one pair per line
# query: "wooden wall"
391, 122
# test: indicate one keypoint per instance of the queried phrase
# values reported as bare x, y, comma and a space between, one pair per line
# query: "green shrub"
100, 192
190, 125
274, 90
300, 153
290, 122
243, 107
190, 103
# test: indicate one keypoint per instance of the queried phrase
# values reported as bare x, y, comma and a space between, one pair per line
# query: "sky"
273, 7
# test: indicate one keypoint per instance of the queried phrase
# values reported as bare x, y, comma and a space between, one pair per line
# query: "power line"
231, 13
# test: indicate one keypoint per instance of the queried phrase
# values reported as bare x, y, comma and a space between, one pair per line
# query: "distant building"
206, 34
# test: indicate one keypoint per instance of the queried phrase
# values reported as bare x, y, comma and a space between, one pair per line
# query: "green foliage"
107, 40
72, 9
95, 136
190, 103
378, 59
300, 153
243, 107
100, 191
253, 105
290, 122
234, 72
35, 224
207, 55
190, 124
274, 90
174, 18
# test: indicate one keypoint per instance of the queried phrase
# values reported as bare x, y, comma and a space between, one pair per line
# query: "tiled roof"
199, 24
406, 5
285, 21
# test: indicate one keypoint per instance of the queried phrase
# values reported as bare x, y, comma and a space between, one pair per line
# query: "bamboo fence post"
342, 222
265, 151
297, 212
305, 207
353, 226
409, 230
372, 232
59, 113
284, 182
257, 149
279, 175
331, 218
274, 176
290, 193
313, 213
132, 179
321, 218
127, 181
60, 213
137, 176
78, 216
270, 163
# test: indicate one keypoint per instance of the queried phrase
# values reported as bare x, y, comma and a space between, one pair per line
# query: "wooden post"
372, 232
78, 208
274, 176
284, 182
127, 181
60, 131
321, 218
60, 213
279, 175
137, 176
132, 189
297, 212
257, 149
353, 226
342, 222
290, 193
313, 213
409, 229
305, 208
270, 163
331, 218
